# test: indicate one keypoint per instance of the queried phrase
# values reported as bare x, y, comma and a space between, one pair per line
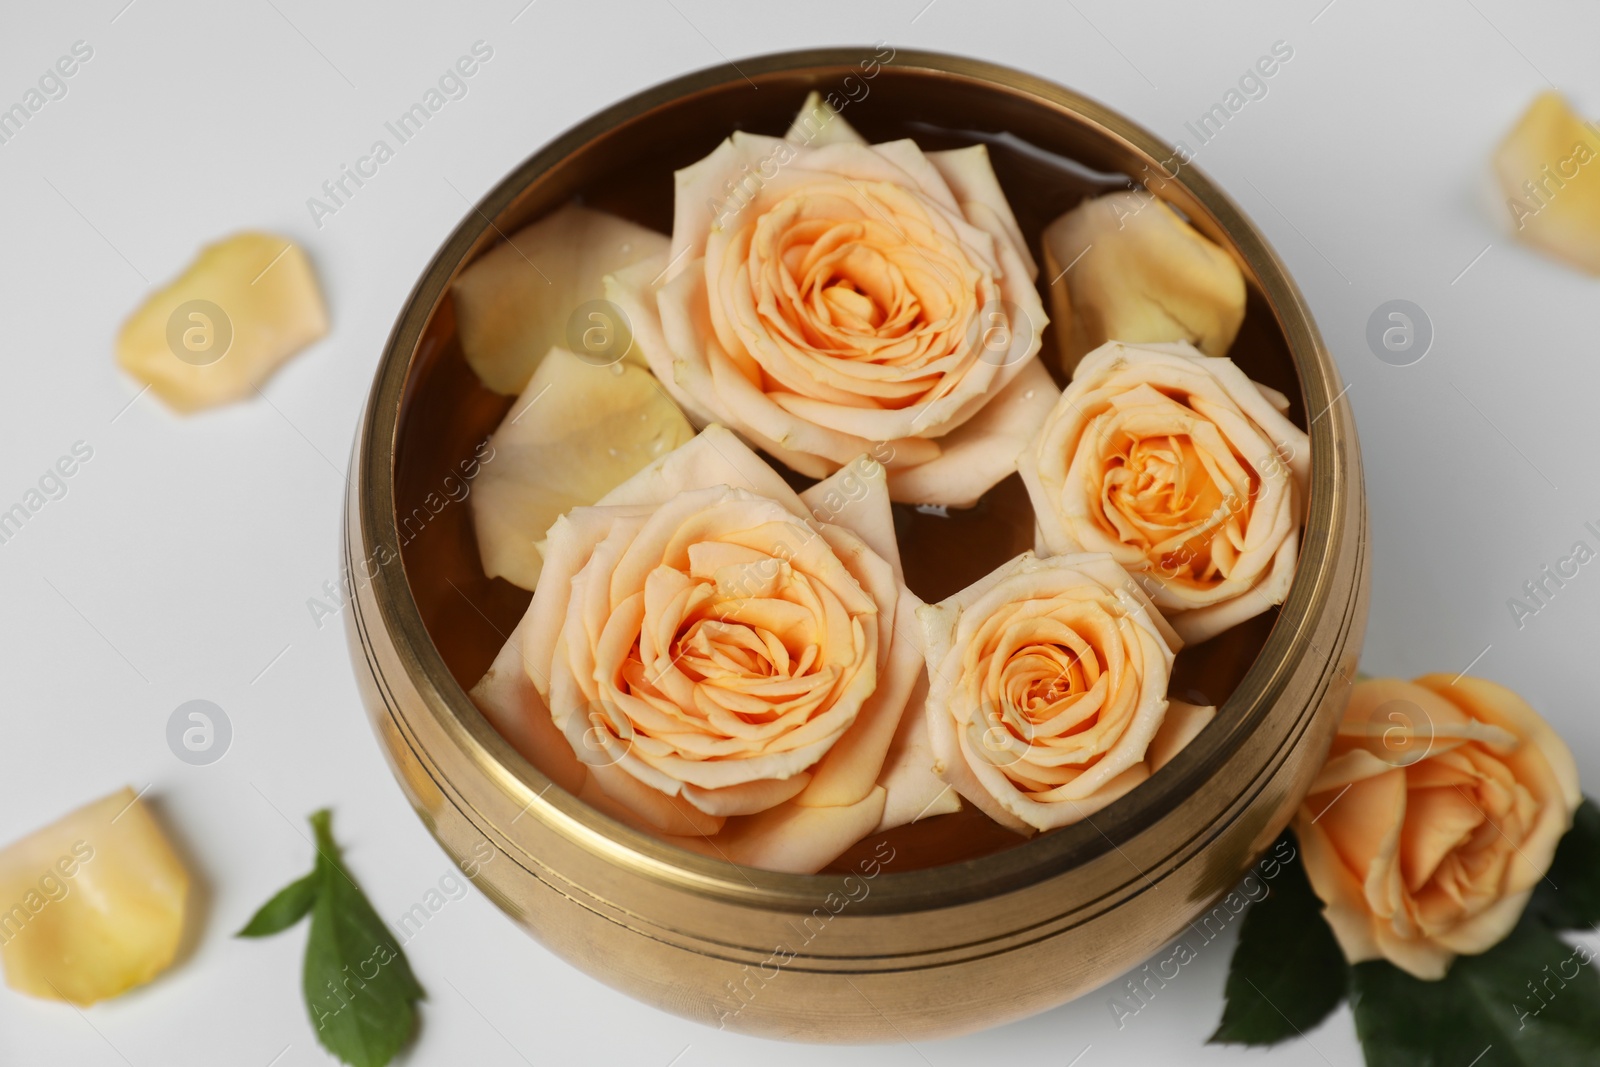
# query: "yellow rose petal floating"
1185, 471
1126, 267
1549, 171
519, 299
243, 307
93, 904
1047, 695
1437, 813
577, 431
717, 660
822, 296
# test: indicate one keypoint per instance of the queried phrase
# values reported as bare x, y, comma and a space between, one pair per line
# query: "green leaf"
358, 984
1287, 973
285, 909
1568, 898
1530, 1001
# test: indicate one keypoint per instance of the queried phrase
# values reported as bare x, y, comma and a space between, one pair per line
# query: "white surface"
180, 562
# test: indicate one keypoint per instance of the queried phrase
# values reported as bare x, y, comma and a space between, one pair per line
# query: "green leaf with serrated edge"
1568, 897
1530, 1001
287, 907
358, 984
1287, 973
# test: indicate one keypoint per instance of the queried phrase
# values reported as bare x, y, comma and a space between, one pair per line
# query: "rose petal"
971, 178
1182, 724
791, 838
624, 797
746, 798
915, 791
543, 462
513, 302
1126, 267
982, 452
508, 699
1340, 890
818, 123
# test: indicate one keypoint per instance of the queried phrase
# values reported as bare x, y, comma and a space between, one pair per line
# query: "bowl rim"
1029, 862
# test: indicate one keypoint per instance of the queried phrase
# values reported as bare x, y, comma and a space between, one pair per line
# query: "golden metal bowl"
892, 943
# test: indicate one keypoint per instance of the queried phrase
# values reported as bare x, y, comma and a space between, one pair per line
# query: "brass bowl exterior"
912, 954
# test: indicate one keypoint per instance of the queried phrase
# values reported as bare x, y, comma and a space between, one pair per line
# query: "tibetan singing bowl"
952, 924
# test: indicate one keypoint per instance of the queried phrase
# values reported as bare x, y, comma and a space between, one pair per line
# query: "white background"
180, 563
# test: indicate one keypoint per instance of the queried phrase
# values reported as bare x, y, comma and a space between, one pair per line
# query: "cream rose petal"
792, 838
631, 801
819, 123
1126, 267
971, 177
982, 452
1546, 173
514, 302
1182, 724
509, 700
1540, 758
914, 789
543, 458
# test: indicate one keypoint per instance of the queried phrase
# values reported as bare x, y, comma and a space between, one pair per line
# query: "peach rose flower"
822, 296
1436, 815
1047, 691
718, 661
1184, 470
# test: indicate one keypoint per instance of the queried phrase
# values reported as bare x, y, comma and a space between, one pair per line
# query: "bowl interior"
1047, 156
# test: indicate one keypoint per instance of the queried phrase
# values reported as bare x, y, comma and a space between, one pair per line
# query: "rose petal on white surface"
514, 302
123, 919
267, 292
1563, 222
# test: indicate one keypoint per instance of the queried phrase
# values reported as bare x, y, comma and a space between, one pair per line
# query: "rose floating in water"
1181, 468
1047, 691
719, 661
822, 296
